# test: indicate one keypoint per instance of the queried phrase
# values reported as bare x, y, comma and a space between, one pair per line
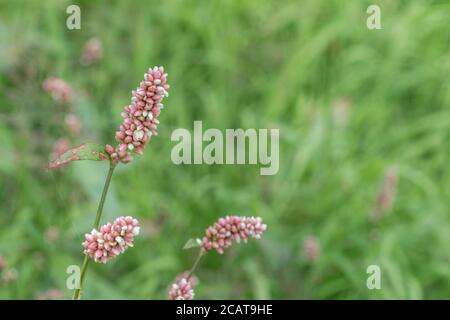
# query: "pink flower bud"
112, 239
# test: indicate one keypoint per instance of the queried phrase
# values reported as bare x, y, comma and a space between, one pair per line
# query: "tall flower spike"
60, 90
182, 289
112, 239
225, 230
140, 118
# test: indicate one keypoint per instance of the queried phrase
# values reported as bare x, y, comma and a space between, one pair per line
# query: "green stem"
77, 293
199, 257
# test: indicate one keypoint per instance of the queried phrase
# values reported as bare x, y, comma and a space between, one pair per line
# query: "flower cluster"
119, 154
92, 51
182, 289
60, 90
140, 118
112, 239
311, 247
225, 230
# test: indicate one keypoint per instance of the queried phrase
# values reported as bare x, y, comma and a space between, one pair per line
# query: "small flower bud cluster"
225, 230
182, 289
112, 239
119, 154
60, 90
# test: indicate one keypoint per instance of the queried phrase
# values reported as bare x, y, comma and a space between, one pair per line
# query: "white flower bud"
120, 241
138, 135
136, 230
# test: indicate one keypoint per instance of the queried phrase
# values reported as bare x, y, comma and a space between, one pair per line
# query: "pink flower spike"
60, 90
112, 239
182, 289
221, 235
140, 118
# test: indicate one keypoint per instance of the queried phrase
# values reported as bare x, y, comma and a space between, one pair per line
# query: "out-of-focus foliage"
351, 103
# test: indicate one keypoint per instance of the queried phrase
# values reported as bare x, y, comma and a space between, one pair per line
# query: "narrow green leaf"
85, 151
192, 243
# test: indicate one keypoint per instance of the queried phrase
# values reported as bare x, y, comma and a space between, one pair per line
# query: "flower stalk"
197, 260
77, 293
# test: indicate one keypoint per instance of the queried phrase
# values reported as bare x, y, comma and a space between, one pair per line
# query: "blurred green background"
364, 119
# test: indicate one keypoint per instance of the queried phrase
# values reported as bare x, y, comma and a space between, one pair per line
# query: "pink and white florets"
111, 240
231, 228
182, 289
140, 118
